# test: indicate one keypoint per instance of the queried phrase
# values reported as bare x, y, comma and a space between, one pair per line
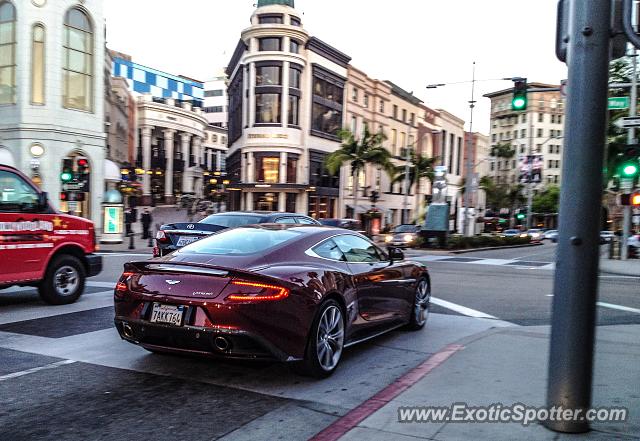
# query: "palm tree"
357, 154
420, 167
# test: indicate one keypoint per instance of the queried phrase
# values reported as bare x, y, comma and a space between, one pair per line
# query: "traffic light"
520, 216
519, 99
630, 165
635, 200
67, 170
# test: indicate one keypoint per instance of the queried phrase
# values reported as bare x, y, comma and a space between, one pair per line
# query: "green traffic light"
629, 170
519, 103
520, 216
66, 176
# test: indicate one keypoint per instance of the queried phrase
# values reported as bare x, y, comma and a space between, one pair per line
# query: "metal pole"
469, 161
407, 159
631, 139
529, 183
576, 279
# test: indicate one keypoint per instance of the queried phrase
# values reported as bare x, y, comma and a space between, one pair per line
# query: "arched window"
37, 65
78, 61
7, 53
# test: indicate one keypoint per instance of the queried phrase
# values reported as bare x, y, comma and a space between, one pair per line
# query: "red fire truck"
41, 247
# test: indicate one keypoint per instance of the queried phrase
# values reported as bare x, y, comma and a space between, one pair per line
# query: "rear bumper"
242, 345
94, 264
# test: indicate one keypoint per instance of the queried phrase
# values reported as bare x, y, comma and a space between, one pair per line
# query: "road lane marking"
461, 309
36, 369
150, 254
618, 307
97, 284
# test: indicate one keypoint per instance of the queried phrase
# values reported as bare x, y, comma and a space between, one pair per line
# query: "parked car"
174, 236
275, 292
347, 224
551, 235
404, 235
514, 233
606, 237
535, 234
40, 246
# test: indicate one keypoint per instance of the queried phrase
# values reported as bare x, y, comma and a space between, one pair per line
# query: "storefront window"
292, 167
265, 201
267, 169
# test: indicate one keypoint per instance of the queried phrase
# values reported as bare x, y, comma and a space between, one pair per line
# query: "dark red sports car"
284, 292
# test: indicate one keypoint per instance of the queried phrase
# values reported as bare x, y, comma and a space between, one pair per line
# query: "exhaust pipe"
127, 330
222, 343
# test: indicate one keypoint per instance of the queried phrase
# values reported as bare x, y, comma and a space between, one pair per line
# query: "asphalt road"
66, 375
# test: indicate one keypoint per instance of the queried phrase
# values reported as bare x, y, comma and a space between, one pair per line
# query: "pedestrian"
128, 220
146, 219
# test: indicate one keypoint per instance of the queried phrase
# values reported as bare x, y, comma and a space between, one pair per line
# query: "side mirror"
395, 254
43, 200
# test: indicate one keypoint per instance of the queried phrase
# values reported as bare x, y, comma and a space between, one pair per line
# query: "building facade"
405, 121
536, 131
52, 98
216, 101
286, 106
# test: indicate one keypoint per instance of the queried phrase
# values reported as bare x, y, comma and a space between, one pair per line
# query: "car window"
285, 220
357, 249
16, 195
329, 250
241, 241
306, 221
405, 229
231, 221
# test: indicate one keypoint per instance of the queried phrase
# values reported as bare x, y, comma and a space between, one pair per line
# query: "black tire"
311, 365
422, 299
64, 280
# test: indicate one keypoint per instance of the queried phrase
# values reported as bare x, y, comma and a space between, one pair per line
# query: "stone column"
146, 164
249, 203
282, 202
251, 169
187, 174
197, 150
169, 197
283, 168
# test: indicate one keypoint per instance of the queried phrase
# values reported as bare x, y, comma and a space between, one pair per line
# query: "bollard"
131, 244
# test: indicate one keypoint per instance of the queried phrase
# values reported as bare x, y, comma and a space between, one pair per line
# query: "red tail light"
255, 292
123, 284
161, 236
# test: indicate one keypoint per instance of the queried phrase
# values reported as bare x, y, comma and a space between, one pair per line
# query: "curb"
612, 270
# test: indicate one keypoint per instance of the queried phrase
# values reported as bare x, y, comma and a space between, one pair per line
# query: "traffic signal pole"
576, 278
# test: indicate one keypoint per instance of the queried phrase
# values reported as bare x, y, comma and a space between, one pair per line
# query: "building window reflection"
7, 53
269, 44
328, 91
78, 61
37, 65
268, 76
268, 108
265, 201
271, 19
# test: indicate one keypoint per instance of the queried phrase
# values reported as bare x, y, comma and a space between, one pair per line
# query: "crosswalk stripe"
35, 369
461, 309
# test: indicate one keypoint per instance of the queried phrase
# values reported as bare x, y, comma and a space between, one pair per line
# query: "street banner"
530, 168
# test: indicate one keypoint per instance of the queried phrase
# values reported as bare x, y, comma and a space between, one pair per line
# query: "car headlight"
388, 238
523, 235
408, 237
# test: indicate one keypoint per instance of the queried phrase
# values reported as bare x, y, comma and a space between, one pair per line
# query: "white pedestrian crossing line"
460, 309
486, 261
35, 369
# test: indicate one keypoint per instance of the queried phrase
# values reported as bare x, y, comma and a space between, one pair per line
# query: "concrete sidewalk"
509, 365
629, 267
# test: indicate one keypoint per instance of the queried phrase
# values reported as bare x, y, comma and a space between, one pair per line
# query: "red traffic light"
64, 196
635, 199
83, 162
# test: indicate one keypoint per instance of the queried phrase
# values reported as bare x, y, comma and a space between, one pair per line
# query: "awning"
111, 171
6, 157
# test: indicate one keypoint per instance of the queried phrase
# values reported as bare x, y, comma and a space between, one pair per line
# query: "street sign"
628, 122
618, 103
73, 186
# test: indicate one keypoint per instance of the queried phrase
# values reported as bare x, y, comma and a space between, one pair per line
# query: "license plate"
186, 240
169, 314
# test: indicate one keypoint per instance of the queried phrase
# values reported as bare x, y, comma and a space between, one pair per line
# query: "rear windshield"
330, 222
241, 241
225, 220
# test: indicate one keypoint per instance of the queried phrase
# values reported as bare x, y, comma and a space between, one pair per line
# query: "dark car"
404, 235
171, 237
298, 294
347, 224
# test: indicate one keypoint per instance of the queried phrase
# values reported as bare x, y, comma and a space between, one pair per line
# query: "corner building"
286, 103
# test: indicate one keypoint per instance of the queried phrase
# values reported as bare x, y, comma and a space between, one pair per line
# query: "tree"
547, 200
420, 167
620, 71
502, 150
357, 154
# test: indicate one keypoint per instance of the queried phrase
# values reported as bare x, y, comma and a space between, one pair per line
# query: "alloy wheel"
66, 280
422, 303
330, 338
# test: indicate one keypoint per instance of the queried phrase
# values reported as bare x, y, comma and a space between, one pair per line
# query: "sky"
413, 43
